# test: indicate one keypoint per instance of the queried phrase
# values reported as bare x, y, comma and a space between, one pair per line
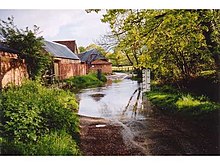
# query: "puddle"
100, 125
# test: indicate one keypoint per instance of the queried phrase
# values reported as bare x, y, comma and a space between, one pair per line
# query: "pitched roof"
7, 49
59, 50
91, 55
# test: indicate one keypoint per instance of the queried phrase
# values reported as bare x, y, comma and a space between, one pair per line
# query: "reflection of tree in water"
97, 97
135, 106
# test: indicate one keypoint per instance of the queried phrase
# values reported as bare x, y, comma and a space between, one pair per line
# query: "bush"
32, 111
85, 81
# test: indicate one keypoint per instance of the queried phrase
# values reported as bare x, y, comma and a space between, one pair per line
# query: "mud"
159, 134
105, 140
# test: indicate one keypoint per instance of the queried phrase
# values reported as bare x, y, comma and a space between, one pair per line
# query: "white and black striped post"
146, 80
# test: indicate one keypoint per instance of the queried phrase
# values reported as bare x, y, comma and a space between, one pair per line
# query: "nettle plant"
32, 111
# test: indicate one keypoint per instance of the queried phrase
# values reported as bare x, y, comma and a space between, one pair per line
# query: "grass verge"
172, 100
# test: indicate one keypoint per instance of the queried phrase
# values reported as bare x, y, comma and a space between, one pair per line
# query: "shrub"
32, 111
85, 81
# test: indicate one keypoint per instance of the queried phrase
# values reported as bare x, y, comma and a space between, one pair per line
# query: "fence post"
146, 80
99, 74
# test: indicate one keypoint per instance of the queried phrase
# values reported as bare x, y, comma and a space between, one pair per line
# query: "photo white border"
110, 4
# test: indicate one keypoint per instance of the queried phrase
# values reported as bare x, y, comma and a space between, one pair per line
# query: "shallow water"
115, 102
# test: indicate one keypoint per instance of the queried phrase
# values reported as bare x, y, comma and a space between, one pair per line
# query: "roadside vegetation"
170, 99
36, 120
86, 81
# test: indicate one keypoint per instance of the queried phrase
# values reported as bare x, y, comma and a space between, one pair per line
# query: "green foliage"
29, 45
31, 111
175, 44
81, 49
54, 143
188, 103
170, 99
117, 58
85, 81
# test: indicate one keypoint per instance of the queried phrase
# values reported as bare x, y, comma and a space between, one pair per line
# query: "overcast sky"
74, 24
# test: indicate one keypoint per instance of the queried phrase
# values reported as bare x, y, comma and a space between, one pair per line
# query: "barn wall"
70, 68
105, 68
12, 70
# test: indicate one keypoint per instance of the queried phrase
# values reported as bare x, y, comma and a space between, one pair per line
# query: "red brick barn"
13, 70
96, 61
66, 63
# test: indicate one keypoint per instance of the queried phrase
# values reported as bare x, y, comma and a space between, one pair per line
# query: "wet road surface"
120, 122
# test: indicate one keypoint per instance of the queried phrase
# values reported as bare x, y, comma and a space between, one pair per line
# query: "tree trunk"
139, 74
207, 30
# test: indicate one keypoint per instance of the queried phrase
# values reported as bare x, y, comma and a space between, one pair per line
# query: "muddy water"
144, 128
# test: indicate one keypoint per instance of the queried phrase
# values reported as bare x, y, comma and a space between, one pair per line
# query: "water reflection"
97, 96
118, 101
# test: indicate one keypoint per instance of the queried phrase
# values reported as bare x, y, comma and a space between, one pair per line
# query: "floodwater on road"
144, 127
112, 101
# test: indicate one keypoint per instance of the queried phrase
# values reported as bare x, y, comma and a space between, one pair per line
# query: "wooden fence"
12, 69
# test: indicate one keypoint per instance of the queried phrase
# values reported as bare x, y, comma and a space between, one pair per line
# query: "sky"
61, 24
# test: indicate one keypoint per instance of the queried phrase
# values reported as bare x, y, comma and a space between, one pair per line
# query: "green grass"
116, 81
85, 81
169, 99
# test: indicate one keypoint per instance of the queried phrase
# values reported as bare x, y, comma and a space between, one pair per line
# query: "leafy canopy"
175, 44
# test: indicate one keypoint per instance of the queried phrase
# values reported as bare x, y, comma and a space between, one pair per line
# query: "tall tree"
28, 44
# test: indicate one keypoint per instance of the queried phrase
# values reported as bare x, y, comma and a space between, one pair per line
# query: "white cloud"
61, 24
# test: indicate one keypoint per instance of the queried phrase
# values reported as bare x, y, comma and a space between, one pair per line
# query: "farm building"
66, 63
13, 70
71, 44
96, 61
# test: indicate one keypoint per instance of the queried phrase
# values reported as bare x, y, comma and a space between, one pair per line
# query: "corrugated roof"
7, 49
59, 50
91, 55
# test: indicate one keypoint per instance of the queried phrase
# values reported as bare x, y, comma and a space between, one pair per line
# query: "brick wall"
12, 70
106, 68
104, 65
